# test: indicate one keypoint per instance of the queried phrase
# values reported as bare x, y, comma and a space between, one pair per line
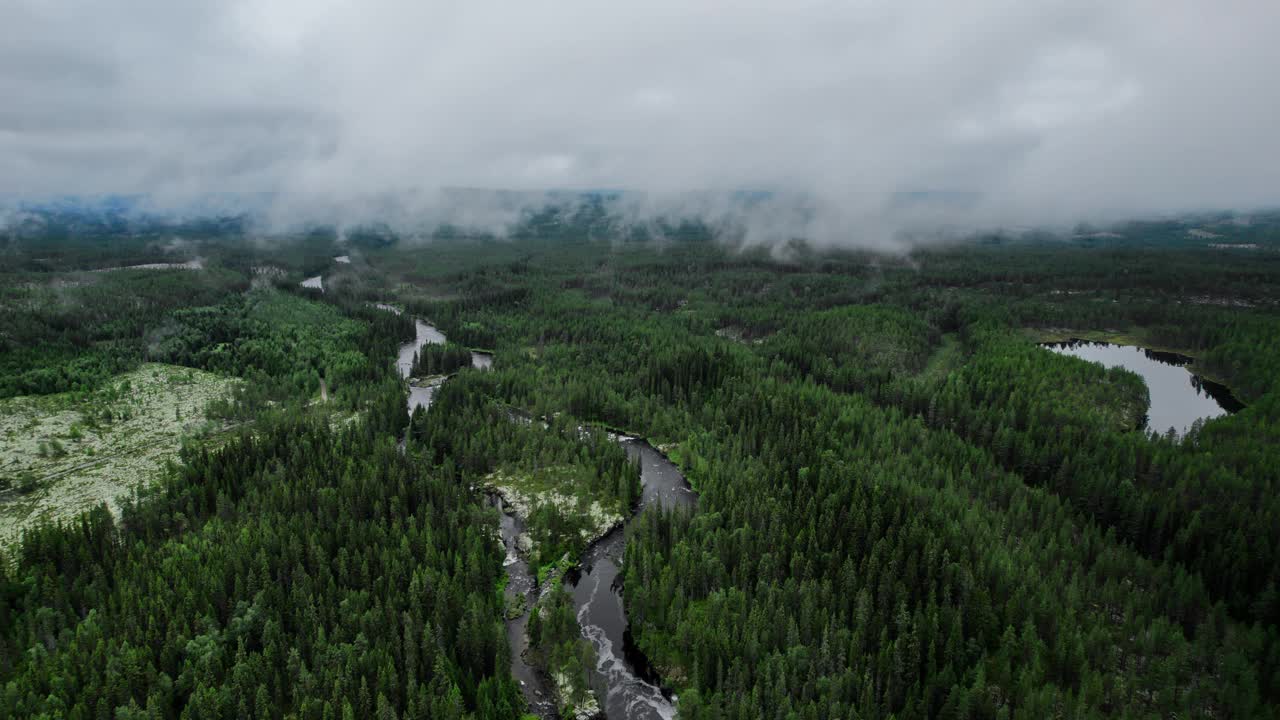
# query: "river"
520, 581
622, 677
424, 334
521, 592
1178, 397
419, 395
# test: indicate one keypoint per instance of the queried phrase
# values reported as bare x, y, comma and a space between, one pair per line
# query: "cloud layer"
1044, 110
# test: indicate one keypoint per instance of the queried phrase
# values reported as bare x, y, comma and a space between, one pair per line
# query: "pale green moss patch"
61, 454
558, 486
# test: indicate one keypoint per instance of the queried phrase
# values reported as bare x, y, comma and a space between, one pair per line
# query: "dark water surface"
623, 677
1178, 397
521, 584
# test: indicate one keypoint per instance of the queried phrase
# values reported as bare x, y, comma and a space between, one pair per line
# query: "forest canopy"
906, 506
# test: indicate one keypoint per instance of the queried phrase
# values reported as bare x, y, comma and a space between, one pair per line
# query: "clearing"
62, 454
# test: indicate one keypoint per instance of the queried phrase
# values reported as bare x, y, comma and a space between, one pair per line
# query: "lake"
1178, 397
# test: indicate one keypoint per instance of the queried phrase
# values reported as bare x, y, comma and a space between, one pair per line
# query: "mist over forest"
639, 360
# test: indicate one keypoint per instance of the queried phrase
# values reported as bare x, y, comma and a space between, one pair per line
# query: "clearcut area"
62, 454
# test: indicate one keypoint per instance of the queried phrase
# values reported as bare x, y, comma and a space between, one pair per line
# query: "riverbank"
552, 496
520, 591
585, 593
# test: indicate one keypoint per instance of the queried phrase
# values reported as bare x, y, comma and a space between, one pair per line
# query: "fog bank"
857, 123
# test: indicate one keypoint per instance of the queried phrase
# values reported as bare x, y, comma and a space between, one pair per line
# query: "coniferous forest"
907, 506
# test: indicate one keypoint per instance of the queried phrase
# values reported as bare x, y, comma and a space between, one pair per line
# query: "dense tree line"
285, 346
297, 572
470, 428
887, 535
72, 332
300, 571
907, 509
440, 359
882, 568
1211, 505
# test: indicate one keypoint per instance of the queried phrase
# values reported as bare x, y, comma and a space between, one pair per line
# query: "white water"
598, 596
626, 694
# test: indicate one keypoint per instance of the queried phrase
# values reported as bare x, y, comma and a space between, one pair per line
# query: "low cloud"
861, 122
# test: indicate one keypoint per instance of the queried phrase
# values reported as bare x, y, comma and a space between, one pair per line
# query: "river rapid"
521, 592
623, 677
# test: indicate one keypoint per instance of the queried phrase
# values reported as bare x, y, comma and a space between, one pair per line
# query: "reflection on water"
1178, 398
419, 396
425, 334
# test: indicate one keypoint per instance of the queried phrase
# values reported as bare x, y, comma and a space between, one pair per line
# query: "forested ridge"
907, 508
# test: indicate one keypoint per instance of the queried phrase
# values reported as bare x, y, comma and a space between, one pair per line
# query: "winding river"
520, 581
522, 592
622, 678
424, 334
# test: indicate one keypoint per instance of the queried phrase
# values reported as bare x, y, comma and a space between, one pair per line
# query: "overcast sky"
1050, 109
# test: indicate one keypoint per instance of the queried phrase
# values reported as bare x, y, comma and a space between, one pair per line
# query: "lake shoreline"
1046, 336
1178, 399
